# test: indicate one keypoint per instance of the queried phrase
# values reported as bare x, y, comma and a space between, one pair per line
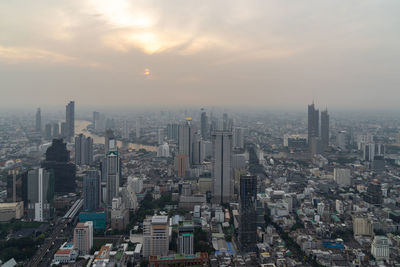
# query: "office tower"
155, 236
362, 225
173, 132
341, 140
222, 166
225, 122
313, 123
63, 130
205, 133
181, 165
119, 214
58, 160
128, 194
83, 150
186, 238
248, 215
91, 191
40, 194
55, 130
17, 189
138, 127
125, 130
38, 122
96, 117
47, 131
325, 129
380, 248
196, 148
185, 140
83, 237
374, 193
70, 120
238, 138
112, 167
160, 136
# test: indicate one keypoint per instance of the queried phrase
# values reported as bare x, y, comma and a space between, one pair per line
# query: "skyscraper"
173, 132
91, 191
47, 131
222, 166
185, 140
40, 194
83, 150
58, 160
138, 127
325, 129
248, 215
55, 130
238, 138
112, 167
70, 119
38, 122
313, 122
204, 126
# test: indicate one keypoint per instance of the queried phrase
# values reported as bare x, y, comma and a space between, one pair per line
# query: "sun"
146, 72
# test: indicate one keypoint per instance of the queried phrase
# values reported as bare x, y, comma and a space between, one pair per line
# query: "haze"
343, 54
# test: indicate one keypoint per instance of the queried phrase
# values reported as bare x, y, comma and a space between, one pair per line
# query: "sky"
281, 53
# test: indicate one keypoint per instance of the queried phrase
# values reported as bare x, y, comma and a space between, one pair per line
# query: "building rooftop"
159, 219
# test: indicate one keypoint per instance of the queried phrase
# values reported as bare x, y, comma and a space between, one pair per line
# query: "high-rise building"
91, 191
112, 167
374, 193
155, 236
83, 150
196, 148
160, 136
83, 237
186, 238
238, 137
185, 140
248, 215
181, 165
222, 166
362, 225
17, 186
139, 127
55, 130
40, 195
63, 130
325, 129
70, 120
205, 132
173, 132
380, 248
47, 131
342, 176
313, 122
58, 160
38, 122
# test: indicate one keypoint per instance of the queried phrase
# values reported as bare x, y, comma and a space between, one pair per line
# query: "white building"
339, 206
321, 208
342, 176
380, 248
163, 151
137, 184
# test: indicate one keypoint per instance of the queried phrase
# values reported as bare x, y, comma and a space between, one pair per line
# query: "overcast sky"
340, 53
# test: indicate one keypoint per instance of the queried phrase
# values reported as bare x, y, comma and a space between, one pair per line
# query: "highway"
52, 243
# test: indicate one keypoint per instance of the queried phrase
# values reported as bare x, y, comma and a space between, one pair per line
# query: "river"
81, 125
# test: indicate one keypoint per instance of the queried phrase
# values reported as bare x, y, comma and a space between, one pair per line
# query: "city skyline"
257, 53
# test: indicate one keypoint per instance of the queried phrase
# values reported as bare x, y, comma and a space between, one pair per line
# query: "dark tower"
248, 215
